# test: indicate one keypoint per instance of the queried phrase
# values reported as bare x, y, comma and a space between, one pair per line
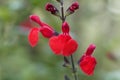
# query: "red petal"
47, 32
64, 38
36, 19
55, 45
33, 36
46, 25
87, 64
70, 47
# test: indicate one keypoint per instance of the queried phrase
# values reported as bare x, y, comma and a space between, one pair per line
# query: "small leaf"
66, 77
66, 60
70, 47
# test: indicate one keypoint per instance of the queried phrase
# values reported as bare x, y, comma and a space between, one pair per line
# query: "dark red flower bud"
87, 64
74, 6
90, 49
65, 27
51, 8
33, 36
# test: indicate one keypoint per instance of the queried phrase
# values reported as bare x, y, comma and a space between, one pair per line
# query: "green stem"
73, 67
62, 11
72, 61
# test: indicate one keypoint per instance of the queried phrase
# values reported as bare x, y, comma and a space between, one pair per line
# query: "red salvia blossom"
87, 62
63, 44
46, 30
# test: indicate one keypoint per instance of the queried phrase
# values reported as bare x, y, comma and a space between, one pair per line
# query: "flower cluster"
62, 43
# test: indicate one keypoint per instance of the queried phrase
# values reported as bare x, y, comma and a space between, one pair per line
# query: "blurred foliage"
97, 21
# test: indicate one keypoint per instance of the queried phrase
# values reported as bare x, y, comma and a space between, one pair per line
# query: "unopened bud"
90, 49
51, 8
72, 8
65, 27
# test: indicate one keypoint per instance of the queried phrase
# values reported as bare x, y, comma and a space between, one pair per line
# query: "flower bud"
49, 7
65, 27
90, 49
72, 8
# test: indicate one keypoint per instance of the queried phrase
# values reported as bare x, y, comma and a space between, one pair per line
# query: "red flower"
63, 44
87, 62
46, 30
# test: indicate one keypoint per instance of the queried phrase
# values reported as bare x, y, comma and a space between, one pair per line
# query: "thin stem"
72, 61
73, 68
62, 11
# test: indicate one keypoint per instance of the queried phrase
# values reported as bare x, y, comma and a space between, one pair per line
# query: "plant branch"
63, 19
73, 67
62, 11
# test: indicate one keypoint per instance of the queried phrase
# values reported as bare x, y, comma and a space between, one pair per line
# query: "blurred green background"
97, 21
